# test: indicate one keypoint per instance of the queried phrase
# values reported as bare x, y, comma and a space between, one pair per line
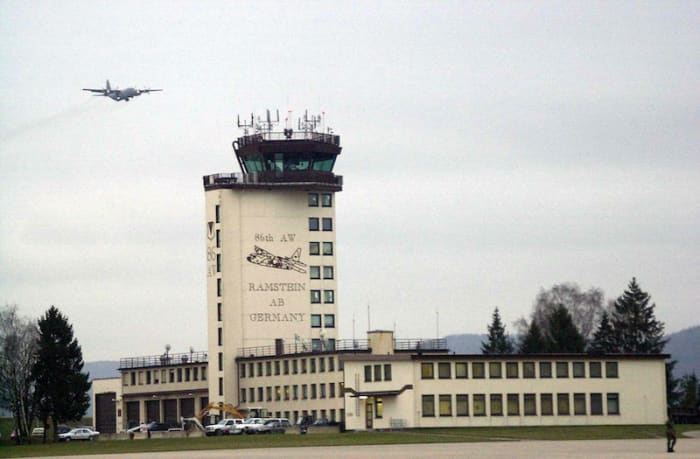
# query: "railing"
293, 135
305, 346
255, 178
163, 360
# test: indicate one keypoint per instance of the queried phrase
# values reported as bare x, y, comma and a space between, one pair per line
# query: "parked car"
38, 432
81, 433
252, 425
271, 426
62, 428
225, 427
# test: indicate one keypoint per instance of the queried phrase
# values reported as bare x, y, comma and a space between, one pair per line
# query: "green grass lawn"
348, 439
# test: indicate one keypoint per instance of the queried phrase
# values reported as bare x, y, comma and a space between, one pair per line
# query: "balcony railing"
163, 360
302, 346
294, 135
261, 178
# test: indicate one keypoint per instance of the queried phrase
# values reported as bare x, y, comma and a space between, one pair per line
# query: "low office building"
161, 388
390, 388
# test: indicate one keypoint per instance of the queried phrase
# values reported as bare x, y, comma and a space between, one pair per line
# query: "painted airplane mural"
264, 258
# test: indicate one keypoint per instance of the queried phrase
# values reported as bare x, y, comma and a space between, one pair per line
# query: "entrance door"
369, 411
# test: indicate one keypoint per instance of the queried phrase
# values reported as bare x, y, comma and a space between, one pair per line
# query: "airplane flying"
120, 94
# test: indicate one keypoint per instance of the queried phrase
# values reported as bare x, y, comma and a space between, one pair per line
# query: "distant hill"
684, 347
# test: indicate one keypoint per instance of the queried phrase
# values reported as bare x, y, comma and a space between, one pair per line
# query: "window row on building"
326, 224
513, 370
328, 296
328, 321
320, 248
378, 372
325, 201
164, 376
291, 392
315, 272
288, 366
332, 415
544, 404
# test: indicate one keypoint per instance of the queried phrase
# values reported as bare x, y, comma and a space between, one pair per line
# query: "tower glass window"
313, 199
327, 224
315, 320
315, 272
313, 223
329, 320
315, 296
328, 296
328, 272
328, 248
314, 248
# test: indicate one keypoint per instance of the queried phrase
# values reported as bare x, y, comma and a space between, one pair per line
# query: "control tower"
271, 252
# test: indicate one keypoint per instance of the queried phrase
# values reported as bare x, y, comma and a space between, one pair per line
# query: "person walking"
670, 435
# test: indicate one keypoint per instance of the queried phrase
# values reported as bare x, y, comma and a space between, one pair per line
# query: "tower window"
218, 287
328, 272
313, 199
217, 212
219, 310
313, 223
314, 248
315, 296
328, 296
327, 224
329, 320
315, 320
328, 248
315, 272
326, 200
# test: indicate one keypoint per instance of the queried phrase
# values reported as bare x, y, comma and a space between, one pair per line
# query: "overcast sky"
490, 149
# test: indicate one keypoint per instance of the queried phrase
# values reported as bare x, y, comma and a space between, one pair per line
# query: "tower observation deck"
293, 159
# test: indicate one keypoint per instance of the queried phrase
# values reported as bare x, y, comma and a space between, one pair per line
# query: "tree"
585, 308
673, 394
636, 328
604, 339
689, 393
18, 340
497, 341
61, 386
533, 342
563, 334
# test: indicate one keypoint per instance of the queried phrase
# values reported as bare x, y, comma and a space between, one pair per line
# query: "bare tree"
585, 308
18, 344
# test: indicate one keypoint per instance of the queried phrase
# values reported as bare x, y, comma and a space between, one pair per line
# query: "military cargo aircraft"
264, 258
119, 94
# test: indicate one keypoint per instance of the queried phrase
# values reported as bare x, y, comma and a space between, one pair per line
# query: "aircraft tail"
109, 88
296, 254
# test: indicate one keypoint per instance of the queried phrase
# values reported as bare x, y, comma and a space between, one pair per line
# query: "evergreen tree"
61, 386
533, 342
564, 336
604, 338
498, 341
689, 393
673, 395
636, 328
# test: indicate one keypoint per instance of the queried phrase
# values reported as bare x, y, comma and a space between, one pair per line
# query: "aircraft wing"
93, 90
149, 90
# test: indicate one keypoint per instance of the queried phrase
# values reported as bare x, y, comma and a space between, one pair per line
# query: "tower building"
271, 252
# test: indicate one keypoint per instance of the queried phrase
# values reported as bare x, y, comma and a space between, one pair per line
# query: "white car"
225, 427
81, 433
252, 425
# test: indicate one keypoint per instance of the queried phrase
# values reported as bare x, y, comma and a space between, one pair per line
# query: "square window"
496, 405
613, 403
611, 369
579, 369
528, 370
546, 405
314, 248
462, 405
327, 224
328, 272
529, 405
562, 369
326, 200
461, 371
445, 405
545, 369
328, 296
329, 320
513, 405
594, 370
315, 320
426, 370
315, 296
580, 404
428, 405
328, 248
563, 404
314, 272
478, 372
494, 370
444, 370
313, 223
313, 199
596, 404
511, 369
479, 405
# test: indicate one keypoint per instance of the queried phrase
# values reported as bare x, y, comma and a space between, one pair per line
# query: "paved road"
594, 449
